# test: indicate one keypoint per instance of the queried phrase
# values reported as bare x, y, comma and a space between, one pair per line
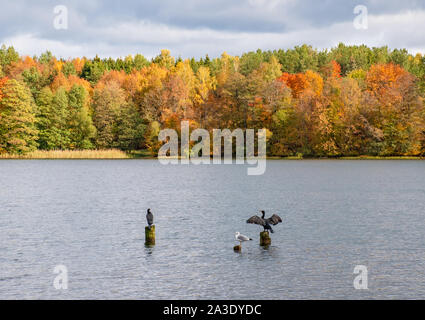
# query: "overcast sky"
197, 27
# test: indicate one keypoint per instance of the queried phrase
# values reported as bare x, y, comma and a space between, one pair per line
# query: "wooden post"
265, 239
150, 236
237, 248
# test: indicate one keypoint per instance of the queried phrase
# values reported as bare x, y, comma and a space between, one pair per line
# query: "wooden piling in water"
265, 239
237, 248
150, 236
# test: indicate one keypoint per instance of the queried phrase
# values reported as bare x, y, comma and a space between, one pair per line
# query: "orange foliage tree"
2, 83
297, 82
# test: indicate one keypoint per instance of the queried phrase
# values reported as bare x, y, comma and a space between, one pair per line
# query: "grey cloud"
197, 27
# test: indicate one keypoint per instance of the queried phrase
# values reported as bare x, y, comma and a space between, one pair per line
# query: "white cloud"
30, 44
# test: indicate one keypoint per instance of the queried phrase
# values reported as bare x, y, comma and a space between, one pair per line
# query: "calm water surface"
90, 217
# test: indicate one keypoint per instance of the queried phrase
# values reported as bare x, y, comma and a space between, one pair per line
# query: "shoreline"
145, 155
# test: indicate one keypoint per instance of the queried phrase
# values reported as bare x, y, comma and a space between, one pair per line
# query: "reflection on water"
90, 217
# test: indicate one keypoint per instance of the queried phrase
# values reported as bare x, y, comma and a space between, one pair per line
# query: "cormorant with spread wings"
265, 223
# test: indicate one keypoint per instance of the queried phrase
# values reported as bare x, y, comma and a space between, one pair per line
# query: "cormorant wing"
256, 220
274, 219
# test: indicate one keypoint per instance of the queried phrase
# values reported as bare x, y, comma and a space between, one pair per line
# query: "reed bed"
382, 158
69, 154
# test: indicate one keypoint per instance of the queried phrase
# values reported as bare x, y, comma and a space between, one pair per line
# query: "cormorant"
265, 223
149, 218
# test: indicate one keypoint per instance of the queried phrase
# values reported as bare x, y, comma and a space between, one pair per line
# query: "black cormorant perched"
265, 223
149, 218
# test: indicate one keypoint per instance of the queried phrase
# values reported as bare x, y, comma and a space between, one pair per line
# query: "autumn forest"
346, 101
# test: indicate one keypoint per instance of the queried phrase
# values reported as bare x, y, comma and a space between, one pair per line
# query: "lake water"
90, 217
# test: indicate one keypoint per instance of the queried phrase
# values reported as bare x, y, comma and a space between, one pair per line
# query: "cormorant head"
149, 210
263, 213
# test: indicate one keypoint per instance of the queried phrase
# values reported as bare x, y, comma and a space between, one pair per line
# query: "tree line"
346, 101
